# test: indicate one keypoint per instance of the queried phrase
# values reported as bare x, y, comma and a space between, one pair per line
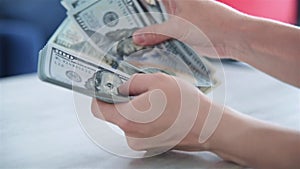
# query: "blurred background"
26, 25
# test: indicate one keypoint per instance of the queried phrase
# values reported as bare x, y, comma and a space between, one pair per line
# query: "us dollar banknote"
68, 37
65, 69
92, 51
69, 61
96, 23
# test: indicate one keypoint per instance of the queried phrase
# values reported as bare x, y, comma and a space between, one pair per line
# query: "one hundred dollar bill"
94, 63
67, 70
147, 60
69, 37
69, 61
108, 24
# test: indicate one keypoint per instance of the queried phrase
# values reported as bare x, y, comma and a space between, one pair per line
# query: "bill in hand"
92, 51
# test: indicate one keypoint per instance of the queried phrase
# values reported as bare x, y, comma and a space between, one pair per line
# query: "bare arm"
270, 46
254, 143
238, 138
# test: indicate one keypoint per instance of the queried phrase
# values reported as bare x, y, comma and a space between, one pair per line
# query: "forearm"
251, 142
270, 46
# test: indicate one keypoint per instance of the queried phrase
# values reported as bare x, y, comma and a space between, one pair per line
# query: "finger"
170, 6
137, 84
105, 111
124, 115
142, 109
151, 35
155, 34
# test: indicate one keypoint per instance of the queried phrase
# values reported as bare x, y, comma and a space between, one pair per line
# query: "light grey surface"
39, 126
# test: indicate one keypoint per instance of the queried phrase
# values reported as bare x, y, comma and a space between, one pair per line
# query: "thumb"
138, 84
153, 34
175, 28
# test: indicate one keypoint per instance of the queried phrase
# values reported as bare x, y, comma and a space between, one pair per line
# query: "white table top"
39, 127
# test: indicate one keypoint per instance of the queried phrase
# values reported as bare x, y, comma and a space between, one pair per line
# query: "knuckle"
161, 77
125, 125
98, 114
136, 145
136, 76
95, 114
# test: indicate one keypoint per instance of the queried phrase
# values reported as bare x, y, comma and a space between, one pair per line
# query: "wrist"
210, 123
202, 137
237, 42
191, 141
229, 138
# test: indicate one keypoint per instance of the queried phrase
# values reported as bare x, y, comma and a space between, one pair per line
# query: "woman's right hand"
218, 23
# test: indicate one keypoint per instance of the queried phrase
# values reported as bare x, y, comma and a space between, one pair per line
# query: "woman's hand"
169, 113
214, 29
202, 24
166, 113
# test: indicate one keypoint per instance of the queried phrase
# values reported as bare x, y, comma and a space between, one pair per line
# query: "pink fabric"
281, 10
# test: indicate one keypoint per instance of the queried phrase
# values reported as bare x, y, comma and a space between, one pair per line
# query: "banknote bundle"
92, 51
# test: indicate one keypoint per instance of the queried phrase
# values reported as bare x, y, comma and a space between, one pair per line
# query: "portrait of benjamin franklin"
104, 82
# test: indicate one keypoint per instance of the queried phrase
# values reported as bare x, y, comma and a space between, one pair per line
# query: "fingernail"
139, 38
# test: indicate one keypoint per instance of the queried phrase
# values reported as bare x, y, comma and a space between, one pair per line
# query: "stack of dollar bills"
92, 51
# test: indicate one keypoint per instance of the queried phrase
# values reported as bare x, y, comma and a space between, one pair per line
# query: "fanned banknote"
68, 61
106, 28
92, 51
